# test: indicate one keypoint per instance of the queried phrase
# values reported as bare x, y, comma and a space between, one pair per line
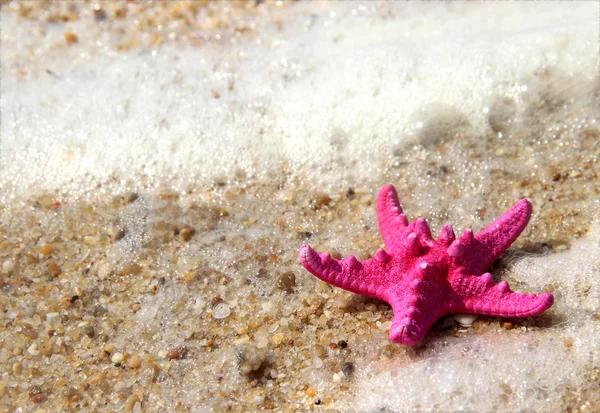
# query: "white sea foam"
334, 93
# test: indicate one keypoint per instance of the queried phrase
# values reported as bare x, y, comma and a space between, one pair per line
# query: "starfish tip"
304, 251
405, 332
525, 204
387, 188
547, 299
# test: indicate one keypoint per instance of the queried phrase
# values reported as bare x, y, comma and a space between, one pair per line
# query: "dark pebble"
38, 398
89, 331
130, 197
342, 344
303, 235
287, 281
99, 15
347, 368
319, 200
186, 233
177, 353
97, 310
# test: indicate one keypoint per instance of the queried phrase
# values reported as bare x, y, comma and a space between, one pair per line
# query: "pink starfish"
424, 279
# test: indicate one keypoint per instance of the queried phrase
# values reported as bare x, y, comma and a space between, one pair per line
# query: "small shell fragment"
465, 320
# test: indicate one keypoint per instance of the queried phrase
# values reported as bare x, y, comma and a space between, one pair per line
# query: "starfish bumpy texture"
424, 279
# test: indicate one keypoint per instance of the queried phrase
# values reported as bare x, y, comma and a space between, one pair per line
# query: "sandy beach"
161, 164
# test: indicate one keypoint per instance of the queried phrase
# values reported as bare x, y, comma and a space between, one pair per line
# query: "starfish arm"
411, 323
499, 235
417, 306
479, 294
476, 253
350, 274
392, 221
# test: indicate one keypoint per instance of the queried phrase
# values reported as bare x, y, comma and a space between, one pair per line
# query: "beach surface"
162, 163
